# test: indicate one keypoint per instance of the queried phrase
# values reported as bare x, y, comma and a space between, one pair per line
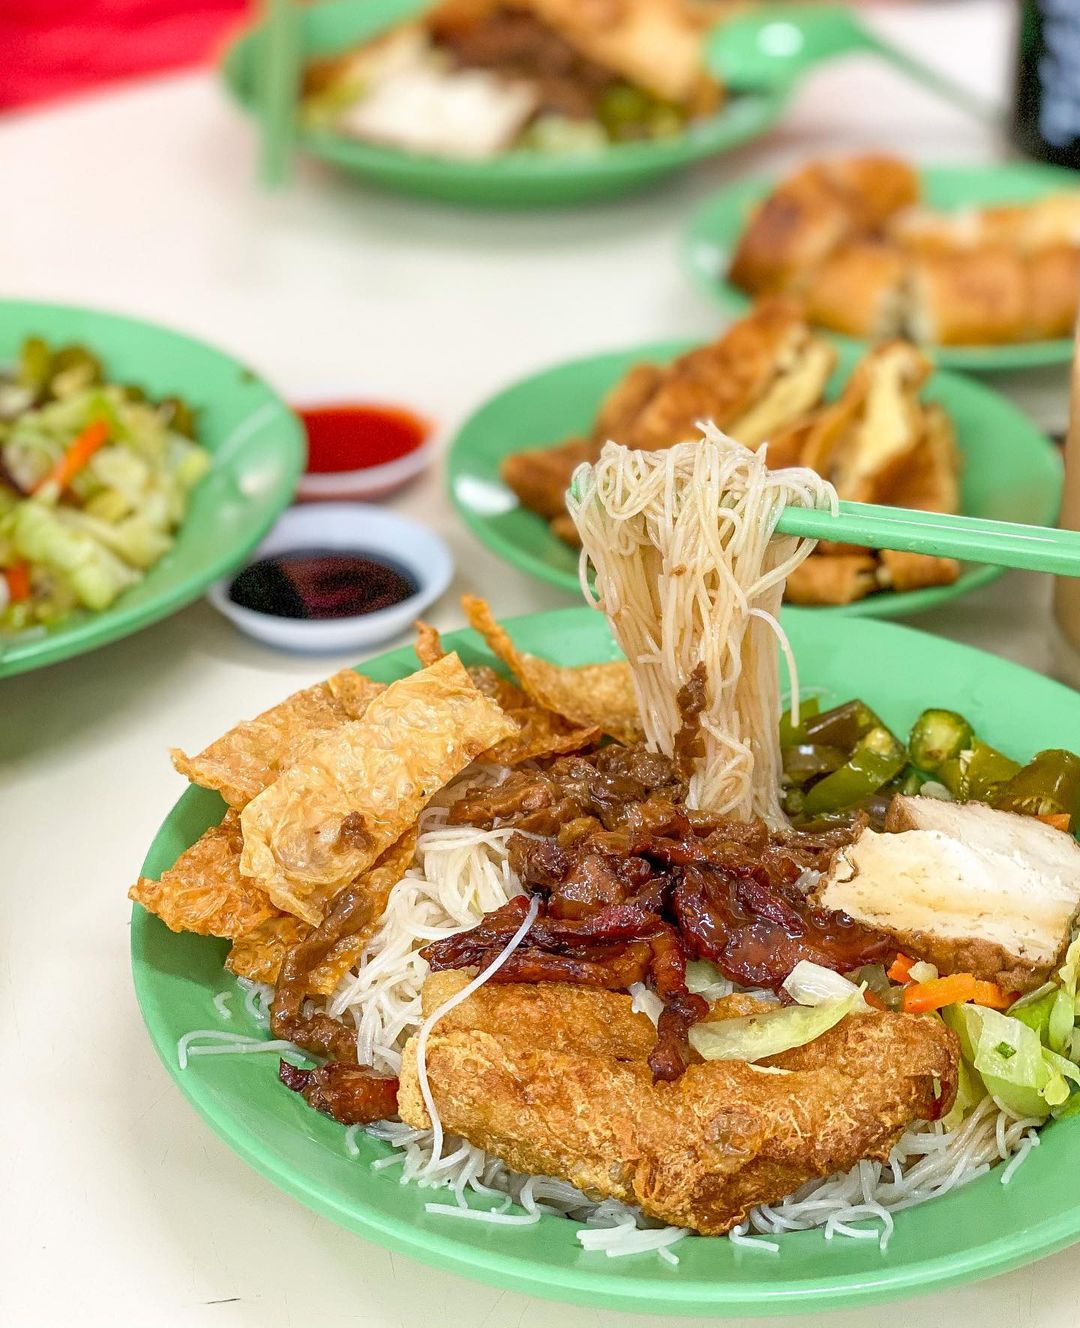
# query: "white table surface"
118, 1205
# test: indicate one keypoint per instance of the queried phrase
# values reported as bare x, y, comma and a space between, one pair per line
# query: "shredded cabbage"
756, 1036
705, 979
812, 984
119, 508
1009, 1057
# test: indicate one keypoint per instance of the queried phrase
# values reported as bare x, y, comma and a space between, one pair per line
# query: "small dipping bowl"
361, 450
358, 530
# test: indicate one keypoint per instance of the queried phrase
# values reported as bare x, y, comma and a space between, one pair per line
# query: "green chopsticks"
278, 77
973, 539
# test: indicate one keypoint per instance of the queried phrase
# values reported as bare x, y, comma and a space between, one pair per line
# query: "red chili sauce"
355, 437
320, 583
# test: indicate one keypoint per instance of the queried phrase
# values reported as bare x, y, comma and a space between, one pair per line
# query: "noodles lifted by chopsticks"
688, 573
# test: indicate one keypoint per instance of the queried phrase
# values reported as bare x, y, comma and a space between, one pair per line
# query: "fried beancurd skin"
204, 891
702, 1151
328, 818
540, 732
247, 759
259, 954
591, 695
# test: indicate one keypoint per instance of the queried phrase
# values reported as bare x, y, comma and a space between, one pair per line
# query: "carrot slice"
901, 968
78, 453
989, 993
874, 1001
18, 582
921, 997
1059, 820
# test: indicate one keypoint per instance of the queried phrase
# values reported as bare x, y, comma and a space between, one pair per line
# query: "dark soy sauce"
321, 583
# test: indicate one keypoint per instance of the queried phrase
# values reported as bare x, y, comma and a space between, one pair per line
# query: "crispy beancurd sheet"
542, 732
327, 819
204, 891
259, 953
594, 695
247, 759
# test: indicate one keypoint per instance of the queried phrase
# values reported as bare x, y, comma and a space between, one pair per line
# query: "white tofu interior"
964, 872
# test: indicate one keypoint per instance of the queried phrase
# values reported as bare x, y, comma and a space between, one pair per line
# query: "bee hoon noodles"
688, 572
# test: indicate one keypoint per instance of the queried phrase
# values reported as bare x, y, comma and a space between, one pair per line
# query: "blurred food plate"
256, 448
713, 230
1010, 471
520, 178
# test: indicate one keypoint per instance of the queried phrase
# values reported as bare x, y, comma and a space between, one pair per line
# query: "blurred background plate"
514, 179
709, 239
257, 446
983, 1228
1011, 471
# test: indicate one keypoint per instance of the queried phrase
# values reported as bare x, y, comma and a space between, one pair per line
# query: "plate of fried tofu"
881, 424
979, 265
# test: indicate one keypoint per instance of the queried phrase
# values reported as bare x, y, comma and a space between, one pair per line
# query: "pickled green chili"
877, 757
790, 733
938, 736
804, 761
1049, 785
843, 726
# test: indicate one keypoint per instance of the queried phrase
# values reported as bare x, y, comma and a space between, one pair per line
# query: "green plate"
1011, 471
713, 230
981, 1229
515, 179
258, 454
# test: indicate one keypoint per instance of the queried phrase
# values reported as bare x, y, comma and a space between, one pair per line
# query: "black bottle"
1046, 119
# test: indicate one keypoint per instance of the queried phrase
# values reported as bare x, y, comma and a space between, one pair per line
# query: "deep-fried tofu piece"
699, 1152
858, 290
625, 402
790, 234
552, 1015
813, 213
915, 571
541, 476
1053, 291
765, 370
832, 580
864, 439
969, 297
801, 374
930, 480
968, 888
726, 380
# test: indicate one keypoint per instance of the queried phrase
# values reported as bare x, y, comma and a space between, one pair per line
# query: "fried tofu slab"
552, 1081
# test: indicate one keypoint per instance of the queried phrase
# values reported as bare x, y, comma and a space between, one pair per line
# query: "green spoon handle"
933, 81
974, 539
774, 46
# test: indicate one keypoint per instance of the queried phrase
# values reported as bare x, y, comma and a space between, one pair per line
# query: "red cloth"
51, 48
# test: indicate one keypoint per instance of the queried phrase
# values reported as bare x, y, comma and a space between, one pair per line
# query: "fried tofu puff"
558, 1098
